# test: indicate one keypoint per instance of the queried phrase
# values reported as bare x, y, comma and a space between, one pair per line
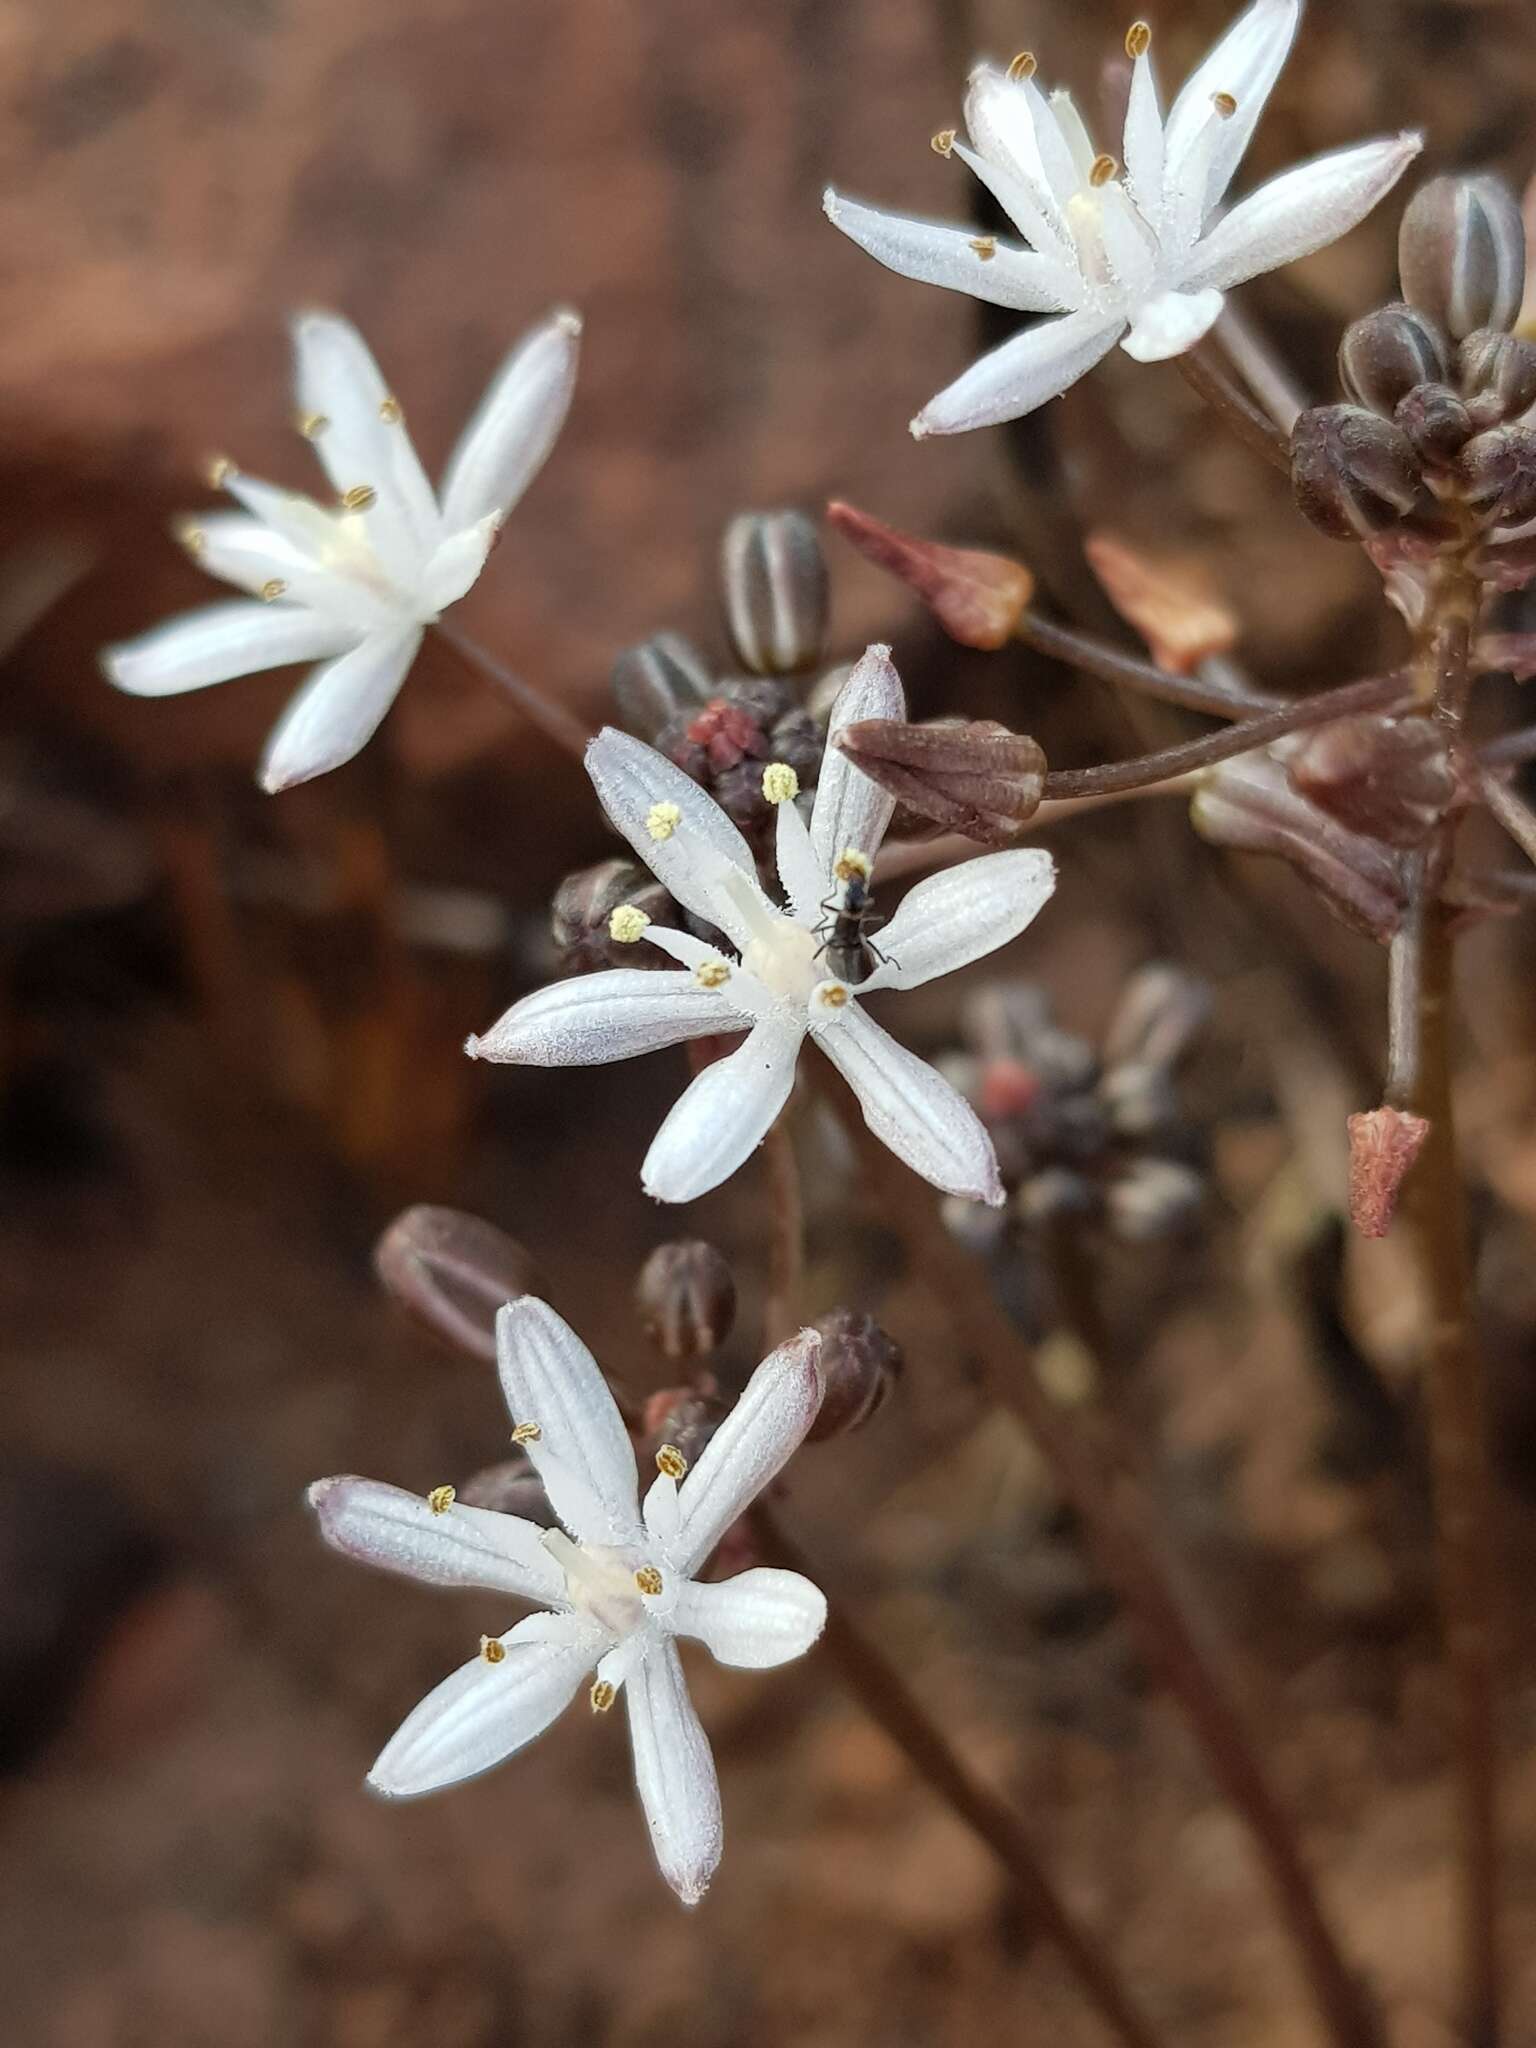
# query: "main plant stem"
1099, 1479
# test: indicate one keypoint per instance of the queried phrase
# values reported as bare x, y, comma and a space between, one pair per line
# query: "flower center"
602, 1582
784, 959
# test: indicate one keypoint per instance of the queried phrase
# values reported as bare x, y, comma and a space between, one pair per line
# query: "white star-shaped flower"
1139, 246
616, 1583
780, 986
353, 585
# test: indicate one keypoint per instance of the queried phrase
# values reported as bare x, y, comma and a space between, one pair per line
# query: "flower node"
662, 820
360, 497
670, 1462
493, 1650
942, 143
1138, 39
1101, 170
441, 1499
852, 865
391, 411
831, 995
192, 537
627, 924
273, 589
311, 425
712, 973
1224, 104
781, 785
648, 1579
219, 471
527, 1433
602, 1696
985, 247
1023, 66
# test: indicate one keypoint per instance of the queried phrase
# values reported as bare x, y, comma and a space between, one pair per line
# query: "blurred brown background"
229, 1032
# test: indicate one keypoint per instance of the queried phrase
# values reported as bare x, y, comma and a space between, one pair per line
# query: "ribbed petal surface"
723, 1114
931, 253
753, 1444
550, 1378
1023, 373
852, 810
516, 424
756, 1620
219, 641
464, 1546
339, 709
674, 1775
962, 914
594, 1018
912, 1108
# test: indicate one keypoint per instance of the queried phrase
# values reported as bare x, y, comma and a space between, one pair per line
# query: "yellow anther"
273, 589
671, 1462
602, 1696
942, 143
662, 820
493, 1649
220, 470
850, 863
360, 497
1101, 170
781, 785
832, 995
441, 1499
712, 973
1138, 39
191, 536
627, 924
312, 425
527, 1433
985, 246
1023, 66
391, 411
648, 1579
1224, 104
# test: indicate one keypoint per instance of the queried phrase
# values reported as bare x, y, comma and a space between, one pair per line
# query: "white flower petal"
931, 253
486, 1712
627, 1655
723, 1115
1142, 146
805, 882
852, 810
249, 554
507, 441
751, 1447
1245, 63
1171, 322
363, 442
218, 641
1020, 156
550, 1378
962, 914
338, 710
1301, 210
740, 997
631, 779
674, 1775
309, 527
463, 1546
754, 1621
1027, 370
912, 1108
456, 566
659, 1512
594, 1018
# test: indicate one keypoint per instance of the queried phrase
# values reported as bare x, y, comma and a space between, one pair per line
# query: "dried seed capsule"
686, 1296
1383, 356
1498, 375
1497, 471
451, 1272
774, 579
970, 776
860, 1363
657, 679
1353, 473
1436, 421
977, 598
581, 916
1461, 253
1388, 778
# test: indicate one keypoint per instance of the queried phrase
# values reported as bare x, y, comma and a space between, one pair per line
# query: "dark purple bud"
1386, 778
1461, 253
774, 578
970, 776
656, 680
451, 1272
581, 916
1498, 375
1497, 472
860, 1364
1383, 356
686, 1297
1353, 472
1436, 421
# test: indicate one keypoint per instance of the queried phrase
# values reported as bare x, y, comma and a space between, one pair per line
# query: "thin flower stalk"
549, 718
1110, 664
1205, 373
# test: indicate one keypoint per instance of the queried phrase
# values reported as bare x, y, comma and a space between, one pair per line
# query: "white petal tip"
472, 1046
567, 319
317, 1493
919, 428
829, 203
690, 1893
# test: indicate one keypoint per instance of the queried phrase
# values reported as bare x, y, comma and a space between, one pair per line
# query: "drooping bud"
1436, 421
1385, 354
451, 1272
977, 598
1497, 471
1383, 1144
655, 680
1498, 375
1172, 603
970, 776
1388, 778
1461, 253
686, 1297
583, 910
1353, 472
774, 580
860, 1363
1160, 1010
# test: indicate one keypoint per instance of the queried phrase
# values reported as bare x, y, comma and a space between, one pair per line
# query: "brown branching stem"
1119, 1522
1110, 664
551, 719
882, 1691
1208, 374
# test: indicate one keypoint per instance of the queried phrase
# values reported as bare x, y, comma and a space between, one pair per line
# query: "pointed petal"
508, 439
1142, 146
912, 1108
485, 1712
1027, 370
674, 1775
754, 1621
1170, 323
363, 442
253, 557
1302, 210
1023, 157
550, 1378
1245, 63
338, 710
723, 1115
804, 880
456, 566
934, 254
962, 914
751, 1447
218, 641
594, 1018
463, 1546
850, 809
693, 860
